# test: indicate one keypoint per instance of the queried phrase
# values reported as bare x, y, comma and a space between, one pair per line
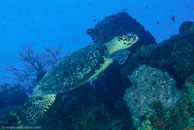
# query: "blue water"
50, 22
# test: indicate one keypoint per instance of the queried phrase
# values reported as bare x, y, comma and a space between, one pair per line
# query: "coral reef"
109, 84
138, 58
183, 115
80, 111
187, 26
180, 118
176, 56
151, 90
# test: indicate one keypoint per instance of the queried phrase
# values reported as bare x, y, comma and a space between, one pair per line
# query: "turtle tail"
36, 108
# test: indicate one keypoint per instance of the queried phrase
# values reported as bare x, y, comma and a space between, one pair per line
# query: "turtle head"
121, 42
126, 40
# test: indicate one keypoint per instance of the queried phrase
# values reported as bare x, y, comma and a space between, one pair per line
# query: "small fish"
124, 10
172, 19
24, 24
94, 20
146, 7
157, 22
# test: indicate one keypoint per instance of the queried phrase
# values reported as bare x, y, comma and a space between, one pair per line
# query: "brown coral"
190, 81
160, 123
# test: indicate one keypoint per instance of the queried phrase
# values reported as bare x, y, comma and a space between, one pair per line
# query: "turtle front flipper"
121, 56
36, 107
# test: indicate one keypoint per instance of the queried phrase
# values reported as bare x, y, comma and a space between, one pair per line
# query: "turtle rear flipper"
37, 107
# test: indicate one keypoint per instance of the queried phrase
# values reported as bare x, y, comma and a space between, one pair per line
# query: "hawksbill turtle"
73, 71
